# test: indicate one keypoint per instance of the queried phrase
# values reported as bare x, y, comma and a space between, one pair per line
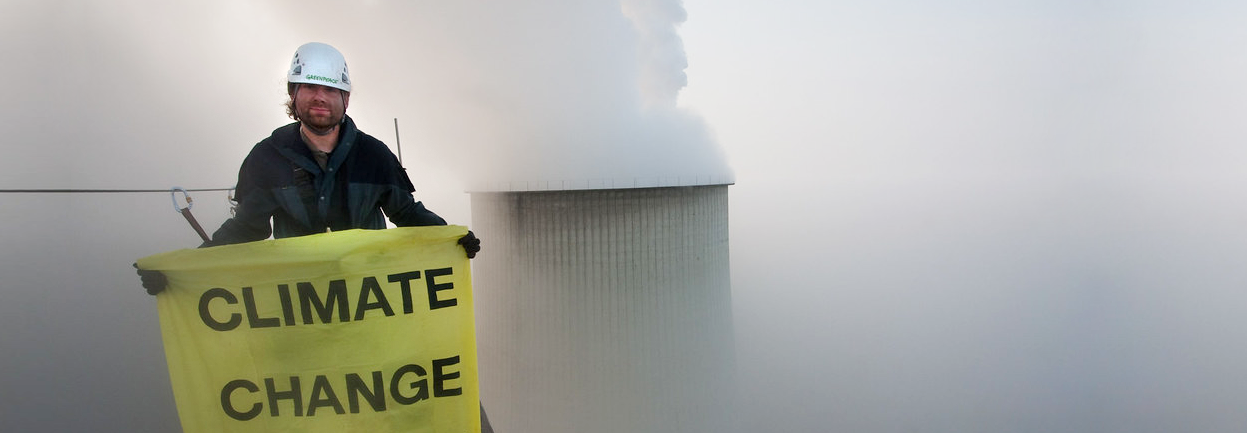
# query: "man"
319, 173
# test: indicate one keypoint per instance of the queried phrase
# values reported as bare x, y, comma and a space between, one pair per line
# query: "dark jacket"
280, 180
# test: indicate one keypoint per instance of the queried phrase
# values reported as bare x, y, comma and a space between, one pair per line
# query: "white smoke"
660, 50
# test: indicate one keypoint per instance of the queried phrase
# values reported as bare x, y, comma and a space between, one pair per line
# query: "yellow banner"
353, 331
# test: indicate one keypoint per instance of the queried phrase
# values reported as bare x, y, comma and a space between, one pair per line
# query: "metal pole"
397, 142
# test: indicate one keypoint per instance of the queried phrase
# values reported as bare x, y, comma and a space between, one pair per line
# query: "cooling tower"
604, 310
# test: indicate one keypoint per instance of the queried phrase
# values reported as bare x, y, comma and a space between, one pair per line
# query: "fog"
971, 216
948, 216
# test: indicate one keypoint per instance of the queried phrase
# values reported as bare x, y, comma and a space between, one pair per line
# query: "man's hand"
471, 244
154, 281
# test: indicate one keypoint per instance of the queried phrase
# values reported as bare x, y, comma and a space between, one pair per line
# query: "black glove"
471, 244
154, 281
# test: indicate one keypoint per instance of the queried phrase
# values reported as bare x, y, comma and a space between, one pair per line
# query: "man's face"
320, 107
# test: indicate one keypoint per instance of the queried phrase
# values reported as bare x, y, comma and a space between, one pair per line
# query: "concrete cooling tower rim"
600, 183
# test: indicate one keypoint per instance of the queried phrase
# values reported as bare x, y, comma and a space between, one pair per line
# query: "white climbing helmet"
317, 63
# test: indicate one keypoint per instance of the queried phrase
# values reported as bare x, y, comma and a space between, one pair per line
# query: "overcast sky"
948, 216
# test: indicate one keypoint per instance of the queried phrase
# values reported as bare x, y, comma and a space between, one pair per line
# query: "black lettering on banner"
435, 303
421, 386
295, 395
404, 280
235, 319
229, 408
370, 286
440, 378
374, 396
408, 385
287, 308
253, 316
316, 309
336, 295
329, 399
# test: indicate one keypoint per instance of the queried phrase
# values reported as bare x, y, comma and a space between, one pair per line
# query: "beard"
320, 124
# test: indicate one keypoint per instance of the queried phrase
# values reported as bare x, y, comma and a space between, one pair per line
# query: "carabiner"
174, 196
233, 201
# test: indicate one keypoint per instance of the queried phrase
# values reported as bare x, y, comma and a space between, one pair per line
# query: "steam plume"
660, 51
